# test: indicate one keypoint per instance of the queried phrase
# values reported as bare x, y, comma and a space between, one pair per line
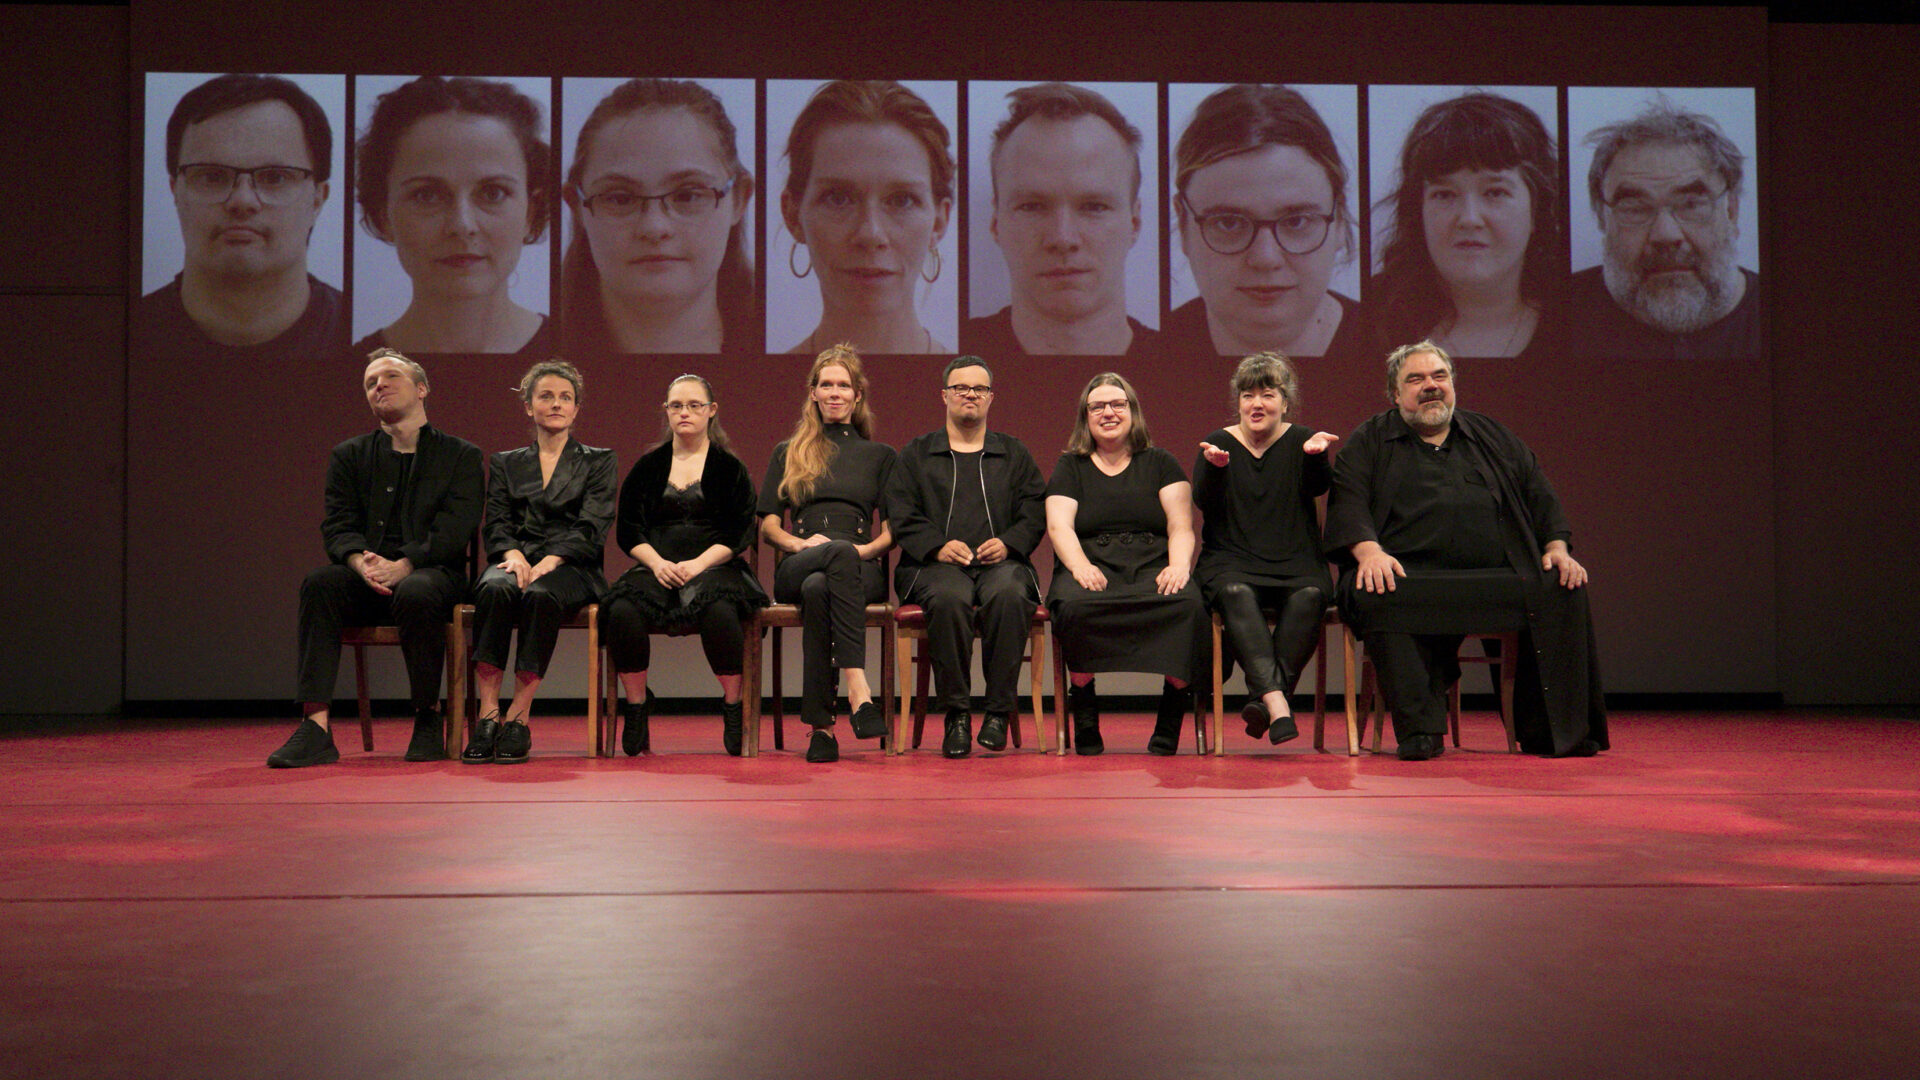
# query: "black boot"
1084, 703
634, 737
429, 738
1174, 703
732, 726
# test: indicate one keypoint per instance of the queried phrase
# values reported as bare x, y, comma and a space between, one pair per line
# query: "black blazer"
447, 488
568, 517
729, 499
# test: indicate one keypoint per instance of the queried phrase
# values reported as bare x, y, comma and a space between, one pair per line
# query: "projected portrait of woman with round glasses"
658, 259
1262, 222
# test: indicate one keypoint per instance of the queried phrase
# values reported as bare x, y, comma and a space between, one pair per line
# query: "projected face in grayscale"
1065, 215
245, 194
1671, 224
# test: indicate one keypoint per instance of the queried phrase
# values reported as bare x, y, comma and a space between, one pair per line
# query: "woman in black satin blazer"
548, 508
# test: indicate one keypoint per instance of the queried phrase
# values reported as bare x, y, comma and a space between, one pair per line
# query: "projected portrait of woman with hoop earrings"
866, 197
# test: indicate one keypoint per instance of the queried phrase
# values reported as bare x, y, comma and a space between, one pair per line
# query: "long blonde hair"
809, 453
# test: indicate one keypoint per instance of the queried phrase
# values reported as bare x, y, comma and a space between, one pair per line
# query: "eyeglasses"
969, 391
686, 406
1095, 408
687, 202
1230, 233
207, 183
1692, 208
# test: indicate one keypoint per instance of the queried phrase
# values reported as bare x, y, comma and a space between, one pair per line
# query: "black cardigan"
729, 499
447, 486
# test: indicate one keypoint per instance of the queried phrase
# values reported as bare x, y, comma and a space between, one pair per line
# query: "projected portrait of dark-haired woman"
1468, 245
658, 188
865, 175
240, 250
1263, 244
455, 186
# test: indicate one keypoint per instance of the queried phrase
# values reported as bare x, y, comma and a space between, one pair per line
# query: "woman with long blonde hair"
818, 507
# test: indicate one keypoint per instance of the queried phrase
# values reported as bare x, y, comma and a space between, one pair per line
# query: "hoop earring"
935, 249
797, 272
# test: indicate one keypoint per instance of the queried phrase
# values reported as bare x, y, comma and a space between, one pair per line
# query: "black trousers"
1413, 636
833, 588
500, 605
1003, 596
629, 635
1276, 663
334, 597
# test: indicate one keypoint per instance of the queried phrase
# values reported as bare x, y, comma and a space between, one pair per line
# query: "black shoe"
515, 740
959, 740
1254, 712
1422, 747
822, 746
480, 750
1171, 718
429, 742
732, 726
1283, 729
868, 723
1084, 703
310, 744
635, 739
993, 731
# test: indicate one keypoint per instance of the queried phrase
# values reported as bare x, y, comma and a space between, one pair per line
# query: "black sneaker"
959, 740
429, 739
993, 732
310, 744
822, 747
732, 726
479, 750
634, 737
1084, 703
868, 723
515, 740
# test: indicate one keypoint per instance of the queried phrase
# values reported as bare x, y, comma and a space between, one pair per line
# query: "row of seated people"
1440, 519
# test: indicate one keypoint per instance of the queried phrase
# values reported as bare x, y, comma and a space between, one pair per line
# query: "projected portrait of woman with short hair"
1263, 222
658, 259
456, 175
866, 183
1469, 239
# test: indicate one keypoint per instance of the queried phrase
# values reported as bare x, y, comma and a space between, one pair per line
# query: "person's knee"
1307, 601
327, 581
495, 589
419, 597
540, 597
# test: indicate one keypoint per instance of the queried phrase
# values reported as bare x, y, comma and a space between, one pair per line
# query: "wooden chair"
599, 704
1330, 620
1502, 666
910, 640
453, 715
781, 617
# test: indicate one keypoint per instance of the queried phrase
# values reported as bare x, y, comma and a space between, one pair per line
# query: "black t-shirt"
1444, 517
393, 470
992, 337
163, 329
969, 522
540, 345
1601, 328
1127, 503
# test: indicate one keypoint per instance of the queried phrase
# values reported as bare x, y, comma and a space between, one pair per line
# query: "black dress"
540, 345
680, 524
1260, 527
1186, 336
1122, 527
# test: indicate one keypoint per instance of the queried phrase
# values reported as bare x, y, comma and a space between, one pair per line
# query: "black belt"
1111, 538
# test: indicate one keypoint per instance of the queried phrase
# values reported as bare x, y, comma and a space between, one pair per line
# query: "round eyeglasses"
275, 185
1299, 232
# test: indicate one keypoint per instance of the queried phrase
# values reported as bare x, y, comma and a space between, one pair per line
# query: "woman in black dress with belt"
548, 507
1120, 514
686, 513
829, 478
1255, 483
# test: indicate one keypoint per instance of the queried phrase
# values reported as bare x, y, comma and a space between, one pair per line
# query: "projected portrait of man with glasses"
1263, 238
1669, 184
659, 258
247, 160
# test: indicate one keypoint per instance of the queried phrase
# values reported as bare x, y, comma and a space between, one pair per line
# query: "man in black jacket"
402, 505
1446, 524
966, 507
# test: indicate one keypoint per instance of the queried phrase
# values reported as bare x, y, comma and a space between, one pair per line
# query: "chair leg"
750, 692
1347, 675
902, 647
1036, 663
1219, 684
922, 684
1320, 690
1453, 713
888, 676
779, 695
1062, 731
366, 704
459, 677
596, 681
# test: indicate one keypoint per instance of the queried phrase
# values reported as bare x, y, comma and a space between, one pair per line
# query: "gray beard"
1421, 427
1681, 305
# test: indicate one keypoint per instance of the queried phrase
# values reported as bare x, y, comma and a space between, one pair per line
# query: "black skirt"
678, 610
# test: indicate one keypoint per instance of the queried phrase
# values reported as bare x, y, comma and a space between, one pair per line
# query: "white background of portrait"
1588, 107
1391, 111
793, 304
162, 252
579, 96
988, 287
381, 289
1339, 108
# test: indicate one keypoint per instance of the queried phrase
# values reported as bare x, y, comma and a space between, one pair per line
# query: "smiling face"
1423, 392
869, 216
242, 238
653, 258
1676, 275
1263, 297
391, 391
834, 394
689, 410
1261, 410
1065, 215
1109, 417
457, 207
1478, 223
555, 404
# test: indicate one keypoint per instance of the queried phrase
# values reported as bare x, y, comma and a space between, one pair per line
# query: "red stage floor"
1722, 895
